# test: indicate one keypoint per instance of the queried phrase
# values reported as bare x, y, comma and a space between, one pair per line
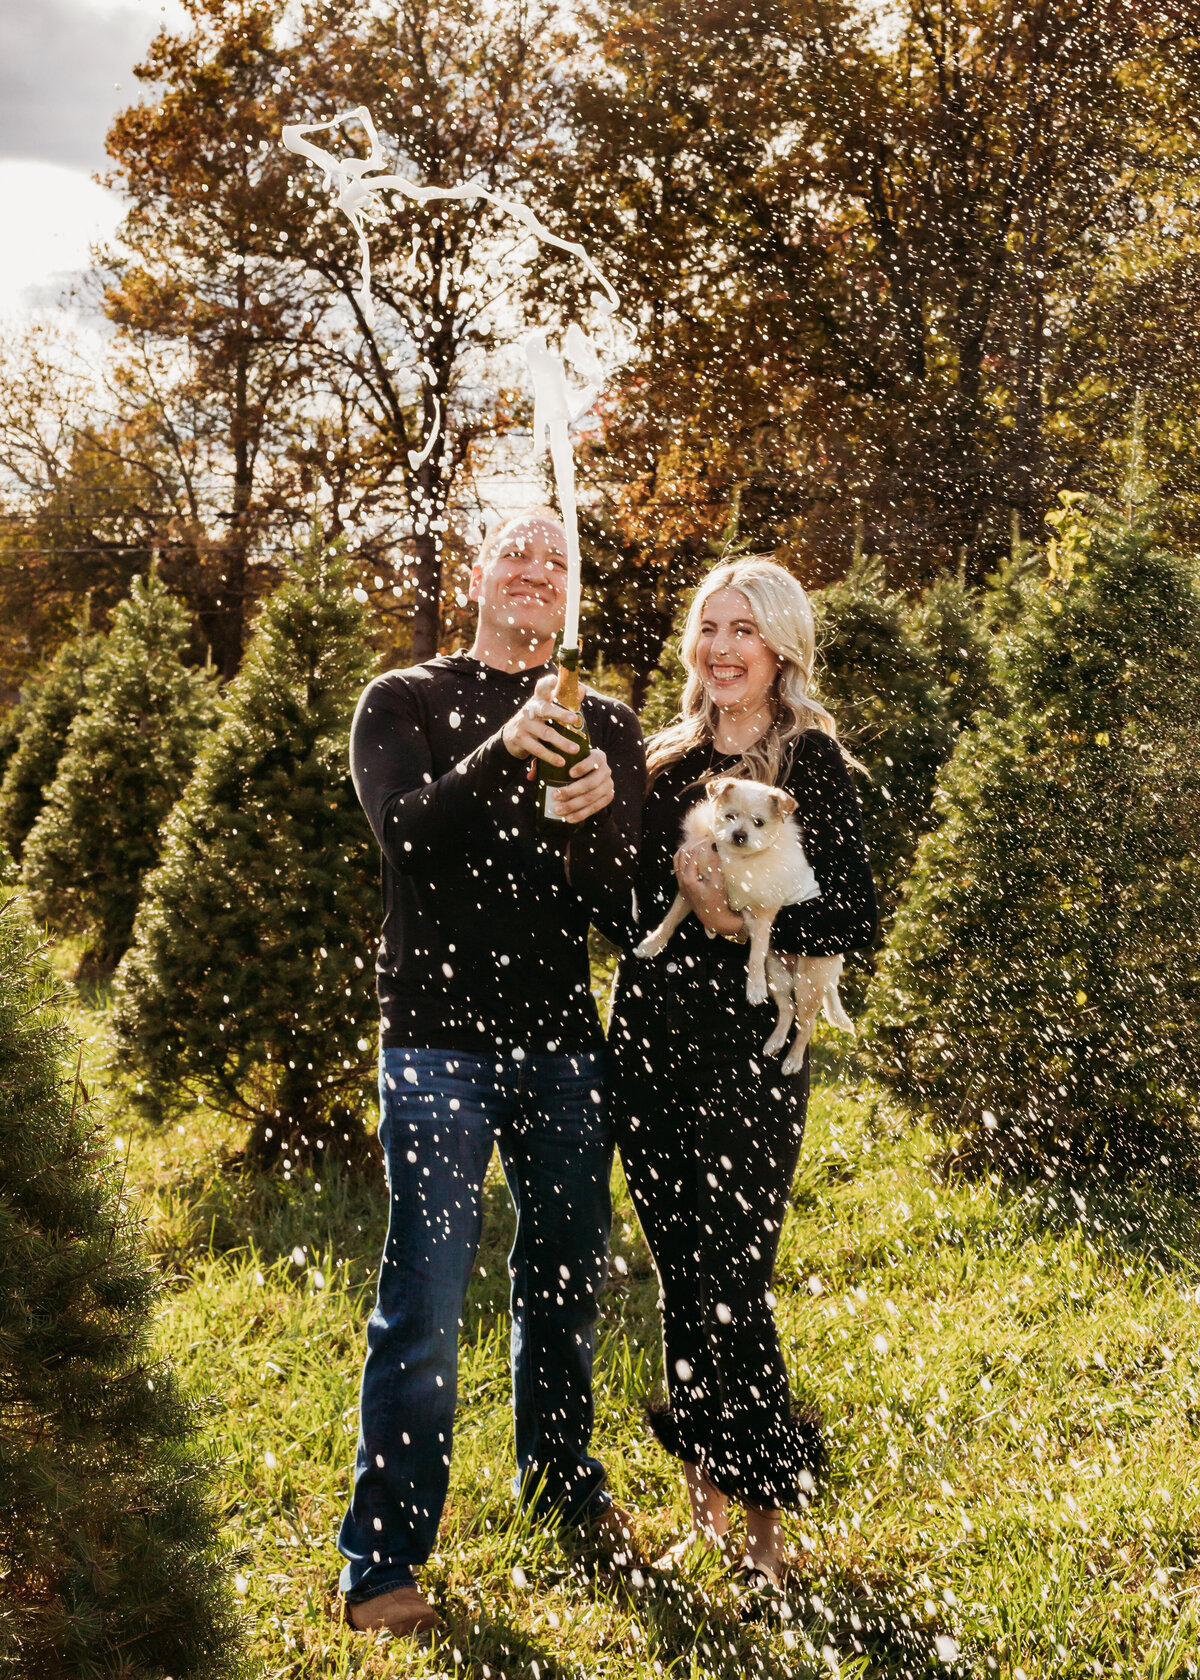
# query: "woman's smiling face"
735, 665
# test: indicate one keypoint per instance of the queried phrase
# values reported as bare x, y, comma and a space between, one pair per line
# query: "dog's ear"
720, 785
784, 801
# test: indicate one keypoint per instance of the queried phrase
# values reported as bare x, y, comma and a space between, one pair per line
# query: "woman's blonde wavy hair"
785, 623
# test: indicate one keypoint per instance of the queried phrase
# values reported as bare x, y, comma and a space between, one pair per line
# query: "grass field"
1010, 1380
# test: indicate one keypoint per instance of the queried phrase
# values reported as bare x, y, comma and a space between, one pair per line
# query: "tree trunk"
228, 633
653, 633
1027, 468
639, 686
427, 614
228, 617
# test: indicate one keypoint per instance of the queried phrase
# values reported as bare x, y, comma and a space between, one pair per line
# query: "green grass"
1010, 1385
1010, 1378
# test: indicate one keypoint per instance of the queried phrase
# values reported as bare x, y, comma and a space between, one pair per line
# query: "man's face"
522, 586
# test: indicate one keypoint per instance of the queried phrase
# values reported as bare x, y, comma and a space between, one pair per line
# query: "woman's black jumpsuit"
710, 1129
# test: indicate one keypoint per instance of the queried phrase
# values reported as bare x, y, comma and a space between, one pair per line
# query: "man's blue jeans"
441, 1111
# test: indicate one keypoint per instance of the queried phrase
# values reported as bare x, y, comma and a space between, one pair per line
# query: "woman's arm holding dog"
703, 885
844, 917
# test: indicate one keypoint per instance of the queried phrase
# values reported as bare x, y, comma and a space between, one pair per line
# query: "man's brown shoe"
404, 1612
613, 1530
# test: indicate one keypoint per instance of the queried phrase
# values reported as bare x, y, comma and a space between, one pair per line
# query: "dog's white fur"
762, 859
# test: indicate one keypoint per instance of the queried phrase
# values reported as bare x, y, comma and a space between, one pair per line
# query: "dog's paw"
774, 1044
648, 948
794, 1060
756, 989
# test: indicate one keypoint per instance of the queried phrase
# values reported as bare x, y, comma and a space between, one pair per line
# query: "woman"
709, 1128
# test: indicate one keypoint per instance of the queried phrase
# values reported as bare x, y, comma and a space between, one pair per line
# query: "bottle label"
549, 809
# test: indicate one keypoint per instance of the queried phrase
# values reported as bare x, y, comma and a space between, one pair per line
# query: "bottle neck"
566, 689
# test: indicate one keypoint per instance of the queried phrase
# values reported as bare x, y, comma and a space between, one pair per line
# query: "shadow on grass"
332, 1209
1148, 1218
211, 1211
493, 1646
885, 1623
1149, 1215
876, 1629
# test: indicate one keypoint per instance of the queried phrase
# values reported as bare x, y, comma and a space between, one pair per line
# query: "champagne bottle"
551, 777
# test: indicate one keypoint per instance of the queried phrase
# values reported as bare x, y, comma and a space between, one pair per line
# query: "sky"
66, 68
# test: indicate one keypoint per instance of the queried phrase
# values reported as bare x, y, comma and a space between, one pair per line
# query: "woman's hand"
530, 733
702, 884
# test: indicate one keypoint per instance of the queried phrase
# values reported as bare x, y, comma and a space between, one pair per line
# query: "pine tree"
1042, 982
882, 687
947, 621
42, 718
11, 725
128, 755
249, 984
109, 1553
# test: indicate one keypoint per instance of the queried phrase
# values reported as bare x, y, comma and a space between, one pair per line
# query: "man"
489, 1034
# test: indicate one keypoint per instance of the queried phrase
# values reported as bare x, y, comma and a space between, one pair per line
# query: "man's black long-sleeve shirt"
484, 938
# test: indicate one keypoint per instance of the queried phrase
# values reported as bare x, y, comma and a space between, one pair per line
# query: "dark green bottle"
552, 776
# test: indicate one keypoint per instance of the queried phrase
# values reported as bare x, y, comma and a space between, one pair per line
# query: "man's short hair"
496, 532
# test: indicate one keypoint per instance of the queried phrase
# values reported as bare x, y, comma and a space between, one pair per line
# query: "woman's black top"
827, 811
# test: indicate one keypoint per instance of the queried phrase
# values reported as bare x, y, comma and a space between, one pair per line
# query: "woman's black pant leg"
710, 1149
656, 1134
751, 1126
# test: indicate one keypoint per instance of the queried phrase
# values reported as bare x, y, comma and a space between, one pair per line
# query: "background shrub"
109, 1560
1041, 985
249, 984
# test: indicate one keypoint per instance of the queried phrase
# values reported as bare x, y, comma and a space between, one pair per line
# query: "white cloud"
66, 69
49, 219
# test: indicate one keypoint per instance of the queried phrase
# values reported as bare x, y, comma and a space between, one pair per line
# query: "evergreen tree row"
249, 984
223, 841
37, 728
1038, 983
1041, 986
109, 1556
107, 747
901, 680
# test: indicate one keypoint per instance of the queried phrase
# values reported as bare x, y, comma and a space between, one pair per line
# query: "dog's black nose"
738, 836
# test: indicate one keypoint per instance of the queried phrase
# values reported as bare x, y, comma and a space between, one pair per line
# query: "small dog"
763, 861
